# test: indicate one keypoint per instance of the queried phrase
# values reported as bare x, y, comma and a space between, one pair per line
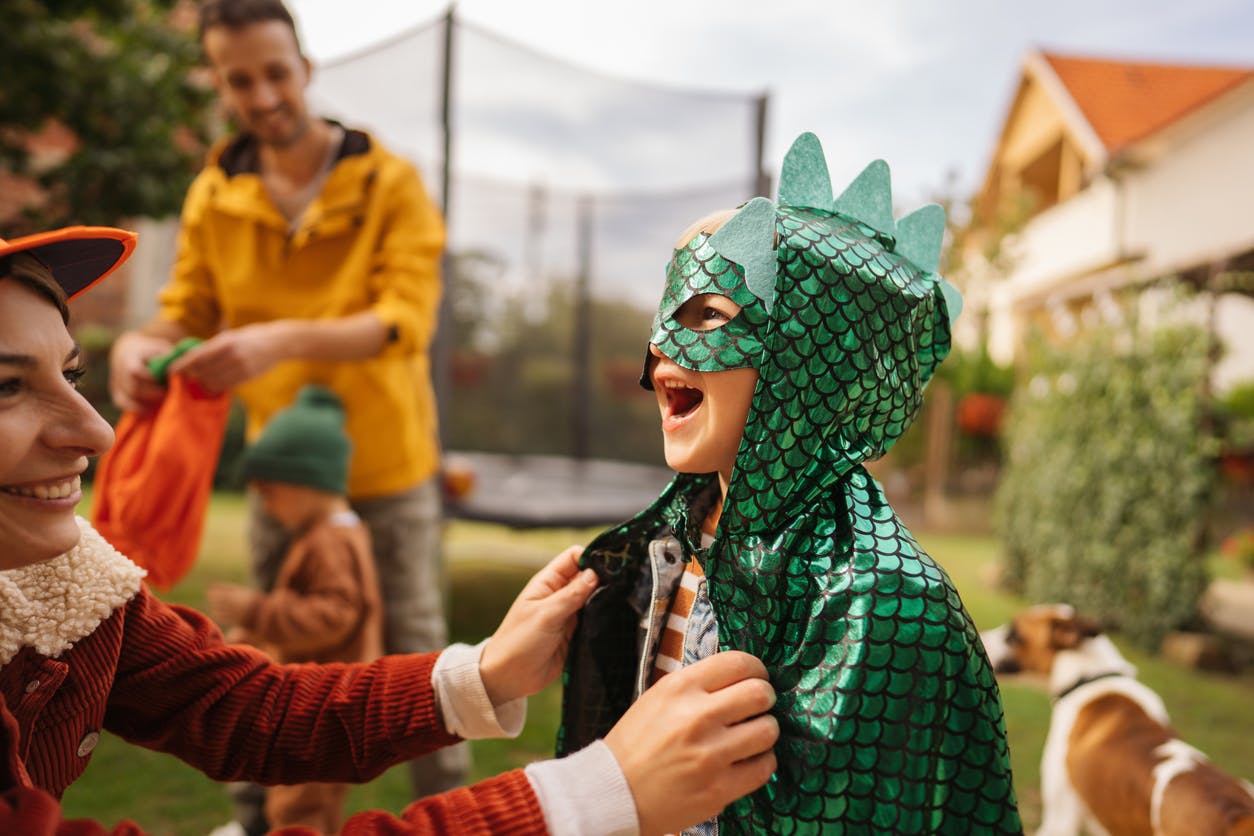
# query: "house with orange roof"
1107, 175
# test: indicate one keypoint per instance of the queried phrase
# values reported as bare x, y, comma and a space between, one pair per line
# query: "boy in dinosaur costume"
890, 717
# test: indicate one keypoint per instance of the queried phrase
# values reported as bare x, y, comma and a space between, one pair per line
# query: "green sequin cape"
891, 721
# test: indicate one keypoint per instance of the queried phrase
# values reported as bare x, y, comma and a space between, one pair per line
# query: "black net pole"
762, 178
442, 348
582, 343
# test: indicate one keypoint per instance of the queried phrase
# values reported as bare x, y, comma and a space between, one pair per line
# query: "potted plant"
1239, 546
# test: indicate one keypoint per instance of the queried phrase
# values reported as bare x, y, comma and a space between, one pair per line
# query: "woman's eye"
73, 376
10, 386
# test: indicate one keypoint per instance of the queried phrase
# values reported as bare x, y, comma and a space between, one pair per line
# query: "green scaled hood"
855, 332
890, 717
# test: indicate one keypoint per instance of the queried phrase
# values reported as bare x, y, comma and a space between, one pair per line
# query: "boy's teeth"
57, 491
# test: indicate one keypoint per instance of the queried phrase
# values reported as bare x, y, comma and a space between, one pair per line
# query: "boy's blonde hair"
709, 224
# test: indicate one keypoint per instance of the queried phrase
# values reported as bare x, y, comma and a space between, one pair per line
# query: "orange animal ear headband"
77, 256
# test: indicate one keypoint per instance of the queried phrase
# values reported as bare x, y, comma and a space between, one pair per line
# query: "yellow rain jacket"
371, 240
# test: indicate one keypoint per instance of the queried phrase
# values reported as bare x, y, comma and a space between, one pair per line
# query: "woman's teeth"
58, 491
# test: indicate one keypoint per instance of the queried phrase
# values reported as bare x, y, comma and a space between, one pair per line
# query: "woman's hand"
697, 740
528, 650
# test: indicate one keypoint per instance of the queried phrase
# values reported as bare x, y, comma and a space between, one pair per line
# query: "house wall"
1079, 236
1036, 125
1182, 201
150, 265
1195, 203
1076, 238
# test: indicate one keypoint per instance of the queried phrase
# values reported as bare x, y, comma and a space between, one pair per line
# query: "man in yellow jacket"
308, 253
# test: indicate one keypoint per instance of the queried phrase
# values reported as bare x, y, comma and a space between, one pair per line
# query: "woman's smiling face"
47, 429
703, 413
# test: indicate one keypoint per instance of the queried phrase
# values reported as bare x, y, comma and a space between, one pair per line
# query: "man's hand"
697, 740
131, 385
234, 356
229, 603
527, 651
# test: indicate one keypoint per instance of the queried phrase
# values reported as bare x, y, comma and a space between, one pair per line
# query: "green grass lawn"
489, 564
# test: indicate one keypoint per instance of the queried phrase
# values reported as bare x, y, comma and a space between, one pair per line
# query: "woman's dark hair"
29, 272
236, 14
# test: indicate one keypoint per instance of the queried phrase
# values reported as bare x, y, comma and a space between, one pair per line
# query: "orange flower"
1240, 546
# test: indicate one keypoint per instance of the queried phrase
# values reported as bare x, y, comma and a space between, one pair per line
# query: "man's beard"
299, 129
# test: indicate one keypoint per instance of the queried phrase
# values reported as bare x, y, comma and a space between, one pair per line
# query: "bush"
1236, 412
1109, 479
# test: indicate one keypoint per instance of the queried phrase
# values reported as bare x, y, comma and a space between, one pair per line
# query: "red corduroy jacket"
96, 651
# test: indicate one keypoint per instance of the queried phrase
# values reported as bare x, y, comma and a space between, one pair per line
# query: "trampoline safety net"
568, 190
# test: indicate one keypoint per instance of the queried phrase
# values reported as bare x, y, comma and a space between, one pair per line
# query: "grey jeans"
406, 530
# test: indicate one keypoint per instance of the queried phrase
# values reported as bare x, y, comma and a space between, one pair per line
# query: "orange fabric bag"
152, 487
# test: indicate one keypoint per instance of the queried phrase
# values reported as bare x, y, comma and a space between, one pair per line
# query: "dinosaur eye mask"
696, 268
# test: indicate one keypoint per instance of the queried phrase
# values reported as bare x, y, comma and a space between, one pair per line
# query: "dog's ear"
1067, 633
1088, 627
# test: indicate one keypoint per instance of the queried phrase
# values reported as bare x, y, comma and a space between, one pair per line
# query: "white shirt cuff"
463, 701
585, 793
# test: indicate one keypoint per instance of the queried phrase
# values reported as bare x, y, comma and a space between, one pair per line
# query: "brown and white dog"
1112, 763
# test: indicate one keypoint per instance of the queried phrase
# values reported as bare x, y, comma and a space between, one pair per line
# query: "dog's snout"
1007, 665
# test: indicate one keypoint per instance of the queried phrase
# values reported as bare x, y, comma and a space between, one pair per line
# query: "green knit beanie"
304, 444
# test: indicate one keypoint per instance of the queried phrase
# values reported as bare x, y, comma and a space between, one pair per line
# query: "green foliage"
121, 79
975, 371
964, 373
1236, 414
1109, 480
1239, 401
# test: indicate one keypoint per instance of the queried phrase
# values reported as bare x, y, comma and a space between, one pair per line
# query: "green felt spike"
953, 299
869, 198
803, 179
920, 234
748, 239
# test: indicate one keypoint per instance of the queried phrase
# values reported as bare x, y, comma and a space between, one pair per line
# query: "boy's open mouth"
681, 400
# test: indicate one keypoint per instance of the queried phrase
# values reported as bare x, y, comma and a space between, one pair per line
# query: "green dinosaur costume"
890, 718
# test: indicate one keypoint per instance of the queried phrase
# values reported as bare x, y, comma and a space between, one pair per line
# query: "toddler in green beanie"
303, 445
325, 605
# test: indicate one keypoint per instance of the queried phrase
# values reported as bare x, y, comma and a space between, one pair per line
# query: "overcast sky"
924, 85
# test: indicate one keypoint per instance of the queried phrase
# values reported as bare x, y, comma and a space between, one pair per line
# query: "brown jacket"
325, 605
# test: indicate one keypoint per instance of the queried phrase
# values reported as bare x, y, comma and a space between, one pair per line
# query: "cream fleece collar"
51, 605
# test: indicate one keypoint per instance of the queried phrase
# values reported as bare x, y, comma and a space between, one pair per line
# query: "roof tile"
1127, 101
